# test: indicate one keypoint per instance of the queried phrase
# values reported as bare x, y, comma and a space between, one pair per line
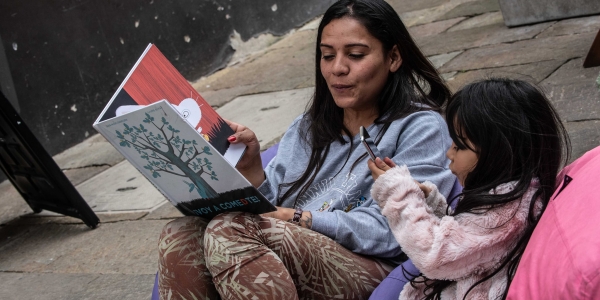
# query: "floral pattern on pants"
245, 256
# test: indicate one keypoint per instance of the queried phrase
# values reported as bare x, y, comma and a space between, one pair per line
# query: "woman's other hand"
287, 214
250, 165
379, 167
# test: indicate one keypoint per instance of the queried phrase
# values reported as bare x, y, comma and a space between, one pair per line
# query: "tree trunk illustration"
166, 152
204, 189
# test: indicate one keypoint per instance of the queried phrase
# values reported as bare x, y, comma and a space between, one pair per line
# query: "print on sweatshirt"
338, 192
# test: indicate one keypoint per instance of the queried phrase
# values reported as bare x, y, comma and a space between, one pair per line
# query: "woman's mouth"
341, 87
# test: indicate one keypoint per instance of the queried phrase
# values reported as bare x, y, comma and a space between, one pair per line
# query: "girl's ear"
395, 59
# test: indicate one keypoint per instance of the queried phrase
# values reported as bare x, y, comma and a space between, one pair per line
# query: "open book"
169, 133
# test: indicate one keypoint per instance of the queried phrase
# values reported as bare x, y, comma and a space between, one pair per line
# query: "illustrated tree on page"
163, 149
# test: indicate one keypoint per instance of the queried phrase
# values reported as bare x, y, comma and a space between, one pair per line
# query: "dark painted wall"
67, 57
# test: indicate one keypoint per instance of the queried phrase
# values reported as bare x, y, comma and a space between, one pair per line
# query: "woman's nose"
340, 67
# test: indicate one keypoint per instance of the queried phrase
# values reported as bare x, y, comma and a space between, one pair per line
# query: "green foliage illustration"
159, 144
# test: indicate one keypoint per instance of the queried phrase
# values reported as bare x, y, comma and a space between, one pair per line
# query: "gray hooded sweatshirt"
339, 197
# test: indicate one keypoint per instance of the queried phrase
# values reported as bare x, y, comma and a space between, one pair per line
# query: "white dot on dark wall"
74, 108
274, 7
187, 38
137, 23
86, 134
122, 41
99, 54
15, 46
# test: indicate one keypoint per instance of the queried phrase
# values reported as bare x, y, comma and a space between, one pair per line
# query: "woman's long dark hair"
517, 136
415, 86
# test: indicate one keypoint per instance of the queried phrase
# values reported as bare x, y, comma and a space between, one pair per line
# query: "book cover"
169, 133
178, 161
154, 78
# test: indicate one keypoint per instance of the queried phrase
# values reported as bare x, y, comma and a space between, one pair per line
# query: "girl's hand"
250, 165
379, 167
423, 188
287, 214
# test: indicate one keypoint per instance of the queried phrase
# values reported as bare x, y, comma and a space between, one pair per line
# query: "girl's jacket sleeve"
442, 246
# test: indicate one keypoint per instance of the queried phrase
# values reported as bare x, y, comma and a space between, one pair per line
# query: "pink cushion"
562, 259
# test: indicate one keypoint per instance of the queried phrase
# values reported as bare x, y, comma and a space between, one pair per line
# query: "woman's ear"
395, 59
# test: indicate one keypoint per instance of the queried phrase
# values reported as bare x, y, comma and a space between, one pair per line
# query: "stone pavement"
269, 82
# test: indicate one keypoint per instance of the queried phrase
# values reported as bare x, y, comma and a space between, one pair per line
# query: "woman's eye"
357, 55
327, 57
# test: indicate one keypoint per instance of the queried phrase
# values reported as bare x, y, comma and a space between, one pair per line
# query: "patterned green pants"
246, 256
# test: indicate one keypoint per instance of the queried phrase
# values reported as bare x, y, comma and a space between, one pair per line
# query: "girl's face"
462, 161
354, 64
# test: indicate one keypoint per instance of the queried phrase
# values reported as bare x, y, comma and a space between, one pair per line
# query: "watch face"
297, 215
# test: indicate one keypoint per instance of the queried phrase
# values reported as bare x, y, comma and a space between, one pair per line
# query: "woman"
370, 73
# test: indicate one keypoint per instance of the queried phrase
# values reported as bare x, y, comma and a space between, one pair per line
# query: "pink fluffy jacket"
462, 248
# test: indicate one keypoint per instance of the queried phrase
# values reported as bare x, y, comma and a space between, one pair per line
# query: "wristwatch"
297, 216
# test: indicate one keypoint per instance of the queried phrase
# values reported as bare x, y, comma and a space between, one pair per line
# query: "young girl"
508, 145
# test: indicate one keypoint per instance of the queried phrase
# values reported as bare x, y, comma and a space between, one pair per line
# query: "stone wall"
519, 12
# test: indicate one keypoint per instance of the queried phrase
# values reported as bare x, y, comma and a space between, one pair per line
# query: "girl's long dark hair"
517, 136
415, 86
